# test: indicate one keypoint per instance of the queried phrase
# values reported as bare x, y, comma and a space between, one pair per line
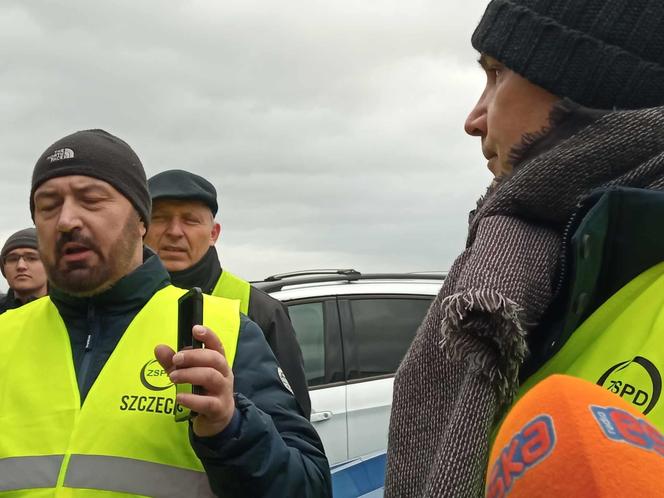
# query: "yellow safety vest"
124, 440
232, 287
620, 346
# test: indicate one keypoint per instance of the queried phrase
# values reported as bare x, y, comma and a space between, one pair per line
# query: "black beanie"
184, 186
26, 238
100, 155
600, 53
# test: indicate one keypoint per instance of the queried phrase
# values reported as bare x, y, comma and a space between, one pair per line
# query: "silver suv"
353, 329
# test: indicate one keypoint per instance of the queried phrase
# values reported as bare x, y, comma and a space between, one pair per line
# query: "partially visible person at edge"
23, 269
183, 232
571, 104
101, 418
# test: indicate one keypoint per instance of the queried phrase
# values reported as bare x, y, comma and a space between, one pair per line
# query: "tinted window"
383, 330
308, 322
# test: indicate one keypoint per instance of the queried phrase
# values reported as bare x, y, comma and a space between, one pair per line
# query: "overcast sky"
332, 130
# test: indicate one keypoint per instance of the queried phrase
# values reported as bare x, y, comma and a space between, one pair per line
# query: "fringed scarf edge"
486, 331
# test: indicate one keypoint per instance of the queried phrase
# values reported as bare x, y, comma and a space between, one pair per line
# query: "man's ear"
142, 229
216, 232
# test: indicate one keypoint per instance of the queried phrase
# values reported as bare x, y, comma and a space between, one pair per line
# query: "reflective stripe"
127, 475
29, 472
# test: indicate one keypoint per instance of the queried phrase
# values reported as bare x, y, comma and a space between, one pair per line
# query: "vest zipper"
564, 264
87, 353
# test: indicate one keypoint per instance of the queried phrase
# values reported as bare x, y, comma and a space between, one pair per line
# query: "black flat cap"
184, 186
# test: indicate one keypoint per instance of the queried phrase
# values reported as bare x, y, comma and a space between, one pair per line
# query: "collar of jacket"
130, 292
203, 274
9, 301
14, 301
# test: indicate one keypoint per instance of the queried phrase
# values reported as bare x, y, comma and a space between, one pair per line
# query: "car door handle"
321, 416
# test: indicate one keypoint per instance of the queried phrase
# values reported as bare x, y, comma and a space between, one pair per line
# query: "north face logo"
61, 154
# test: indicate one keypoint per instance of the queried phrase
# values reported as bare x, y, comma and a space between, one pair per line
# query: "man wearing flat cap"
88, 390
23, 269
183, 232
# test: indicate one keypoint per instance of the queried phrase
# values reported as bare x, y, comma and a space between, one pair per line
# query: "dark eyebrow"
79, 190
193, 214
24, 250
483, 62
49, 194
92, 188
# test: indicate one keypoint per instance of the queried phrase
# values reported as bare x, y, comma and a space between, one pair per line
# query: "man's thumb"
164, 356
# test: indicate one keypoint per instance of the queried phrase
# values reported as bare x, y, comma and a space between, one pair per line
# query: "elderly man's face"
25, 272
181, 232
509, 108
89, 234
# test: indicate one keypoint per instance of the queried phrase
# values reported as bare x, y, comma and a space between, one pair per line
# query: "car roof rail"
415, 275
348, 272
277, 282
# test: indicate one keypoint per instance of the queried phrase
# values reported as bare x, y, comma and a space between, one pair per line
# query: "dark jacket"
270, 315
9, 302
269, 450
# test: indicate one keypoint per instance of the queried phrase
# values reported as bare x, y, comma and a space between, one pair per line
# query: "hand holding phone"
190, 313
200, 360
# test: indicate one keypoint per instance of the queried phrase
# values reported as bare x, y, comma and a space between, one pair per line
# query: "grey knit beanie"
23, 238
600, 53
98, 154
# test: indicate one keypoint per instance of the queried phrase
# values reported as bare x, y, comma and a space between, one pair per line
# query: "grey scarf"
461, 371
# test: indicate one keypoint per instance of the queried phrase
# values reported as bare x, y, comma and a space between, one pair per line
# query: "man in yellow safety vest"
87, 409
183, 232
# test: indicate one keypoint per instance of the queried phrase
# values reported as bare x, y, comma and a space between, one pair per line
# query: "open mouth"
73, 251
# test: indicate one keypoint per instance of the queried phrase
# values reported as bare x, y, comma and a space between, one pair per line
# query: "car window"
383, 329
308, 322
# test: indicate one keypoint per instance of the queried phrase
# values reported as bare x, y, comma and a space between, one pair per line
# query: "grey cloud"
333, 130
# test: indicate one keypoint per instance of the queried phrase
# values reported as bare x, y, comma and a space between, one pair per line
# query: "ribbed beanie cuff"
599, 54
98, 154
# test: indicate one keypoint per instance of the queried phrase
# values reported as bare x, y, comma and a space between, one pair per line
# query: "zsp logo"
154, 377
637, 381
530, 446
619, 425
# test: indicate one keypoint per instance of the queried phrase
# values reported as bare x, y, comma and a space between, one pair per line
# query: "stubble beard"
80, 279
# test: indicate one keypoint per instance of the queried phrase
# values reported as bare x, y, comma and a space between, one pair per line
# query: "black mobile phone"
190, 313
